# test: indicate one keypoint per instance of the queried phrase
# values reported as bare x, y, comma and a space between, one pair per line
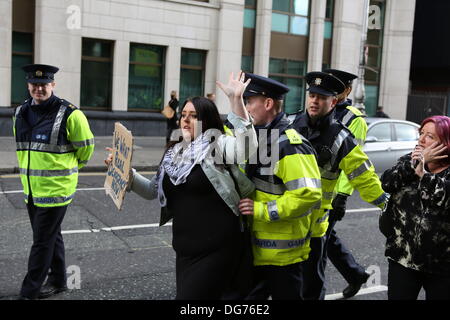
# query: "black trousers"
342, 258
47, 252
314, 270
405, 284
280, 282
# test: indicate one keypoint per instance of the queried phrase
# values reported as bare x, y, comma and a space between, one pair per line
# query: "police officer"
337, 151
338, 254
53, 142
288, 187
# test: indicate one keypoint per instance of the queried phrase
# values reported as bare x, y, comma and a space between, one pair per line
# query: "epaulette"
68, 104
293, 136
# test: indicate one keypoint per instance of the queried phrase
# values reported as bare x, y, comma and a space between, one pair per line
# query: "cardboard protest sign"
118, 171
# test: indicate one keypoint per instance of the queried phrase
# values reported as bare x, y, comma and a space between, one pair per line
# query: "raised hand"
235, 87
434, 152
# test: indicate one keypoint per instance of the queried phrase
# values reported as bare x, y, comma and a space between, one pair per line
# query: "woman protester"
418, 241
199, 185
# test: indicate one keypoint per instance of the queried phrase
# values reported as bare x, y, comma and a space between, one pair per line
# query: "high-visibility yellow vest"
339, 152
286, 193
353, 119
51, 152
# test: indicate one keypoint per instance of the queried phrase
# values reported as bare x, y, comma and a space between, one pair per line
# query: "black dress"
206, 237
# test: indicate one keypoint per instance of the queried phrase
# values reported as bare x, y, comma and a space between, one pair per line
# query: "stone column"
5, 52
262, 37
348, 20
396, 59
172, 72
58, 42
121, 63
316, 34
229, 45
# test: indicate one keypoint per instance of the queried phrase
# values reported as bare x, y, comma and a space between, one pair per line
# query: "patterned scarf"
179, 161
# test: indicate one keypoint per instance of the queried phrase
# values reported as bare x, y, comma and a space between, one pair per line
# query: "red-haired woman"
418, 246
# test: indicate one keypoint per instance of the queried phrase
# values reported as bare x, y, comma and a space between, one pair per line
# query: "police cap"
346, 77
324, 83
262, 86
40, 73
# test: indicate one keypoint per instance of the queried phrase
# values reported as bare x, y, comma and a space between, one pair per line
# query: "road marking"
109, 229
83, 174
373, 289
363, 210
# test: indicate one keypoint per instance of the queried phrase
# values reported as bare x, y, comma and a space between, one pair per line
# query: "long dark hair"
207, 113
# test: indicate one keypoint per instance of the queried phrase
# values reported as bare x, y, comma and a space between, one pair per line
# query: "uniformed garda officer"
338, 254
337, 151
288, 187
53, 142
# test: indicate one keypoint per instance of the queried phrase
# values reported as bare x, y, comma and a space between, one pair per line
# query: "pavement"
147, 153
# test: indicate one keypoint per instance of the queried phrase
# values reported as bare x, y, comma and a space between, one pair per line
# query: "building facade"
127, 55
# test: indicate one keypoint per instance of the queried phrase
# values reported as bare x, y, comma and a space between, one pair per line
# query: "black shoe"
49, 290
353, 288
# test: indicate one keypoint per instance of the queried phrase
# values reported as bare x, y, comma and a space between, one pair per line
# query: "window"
250, 14
373, 64
406, 132
329, 19
96, 73
146, 77
192, 73
247, 64
328, 33
290, 16
290, 73
380, 131
22, 54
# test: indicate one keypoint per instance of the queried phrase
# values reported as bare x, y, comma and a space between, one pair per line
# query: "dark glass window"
373, 63
291, 73
290, 16
192, 73
247, 64
22, 54
96, 73
146, 77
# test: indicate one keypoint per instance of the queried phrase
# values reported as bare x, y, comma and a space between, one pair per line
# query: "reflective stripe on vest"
337, 144
39, 146
360, 170
324, 218
81, 144
48, 173
57, 125
347, 118
280, 244
328, 174
268, 187
381, 199
51, 200
303, 183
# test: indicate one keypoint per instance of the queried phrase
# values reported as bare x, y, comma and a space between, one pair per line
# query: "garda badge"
38, 73
318, 81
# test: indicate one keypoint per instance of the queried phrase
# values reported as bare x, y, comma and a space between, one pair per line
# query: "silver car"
389, 139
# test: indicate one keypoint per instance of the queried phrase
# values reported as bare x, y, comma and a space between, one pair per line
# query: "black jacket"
420, 213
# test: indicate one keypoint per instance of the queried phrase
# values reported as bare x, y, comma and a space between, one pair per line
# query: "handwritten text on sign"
118, 171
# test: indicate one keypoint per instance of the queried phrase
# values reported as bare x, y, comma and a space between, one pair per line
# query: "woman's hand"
109, 158
235, 87
246, 207
432, 152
